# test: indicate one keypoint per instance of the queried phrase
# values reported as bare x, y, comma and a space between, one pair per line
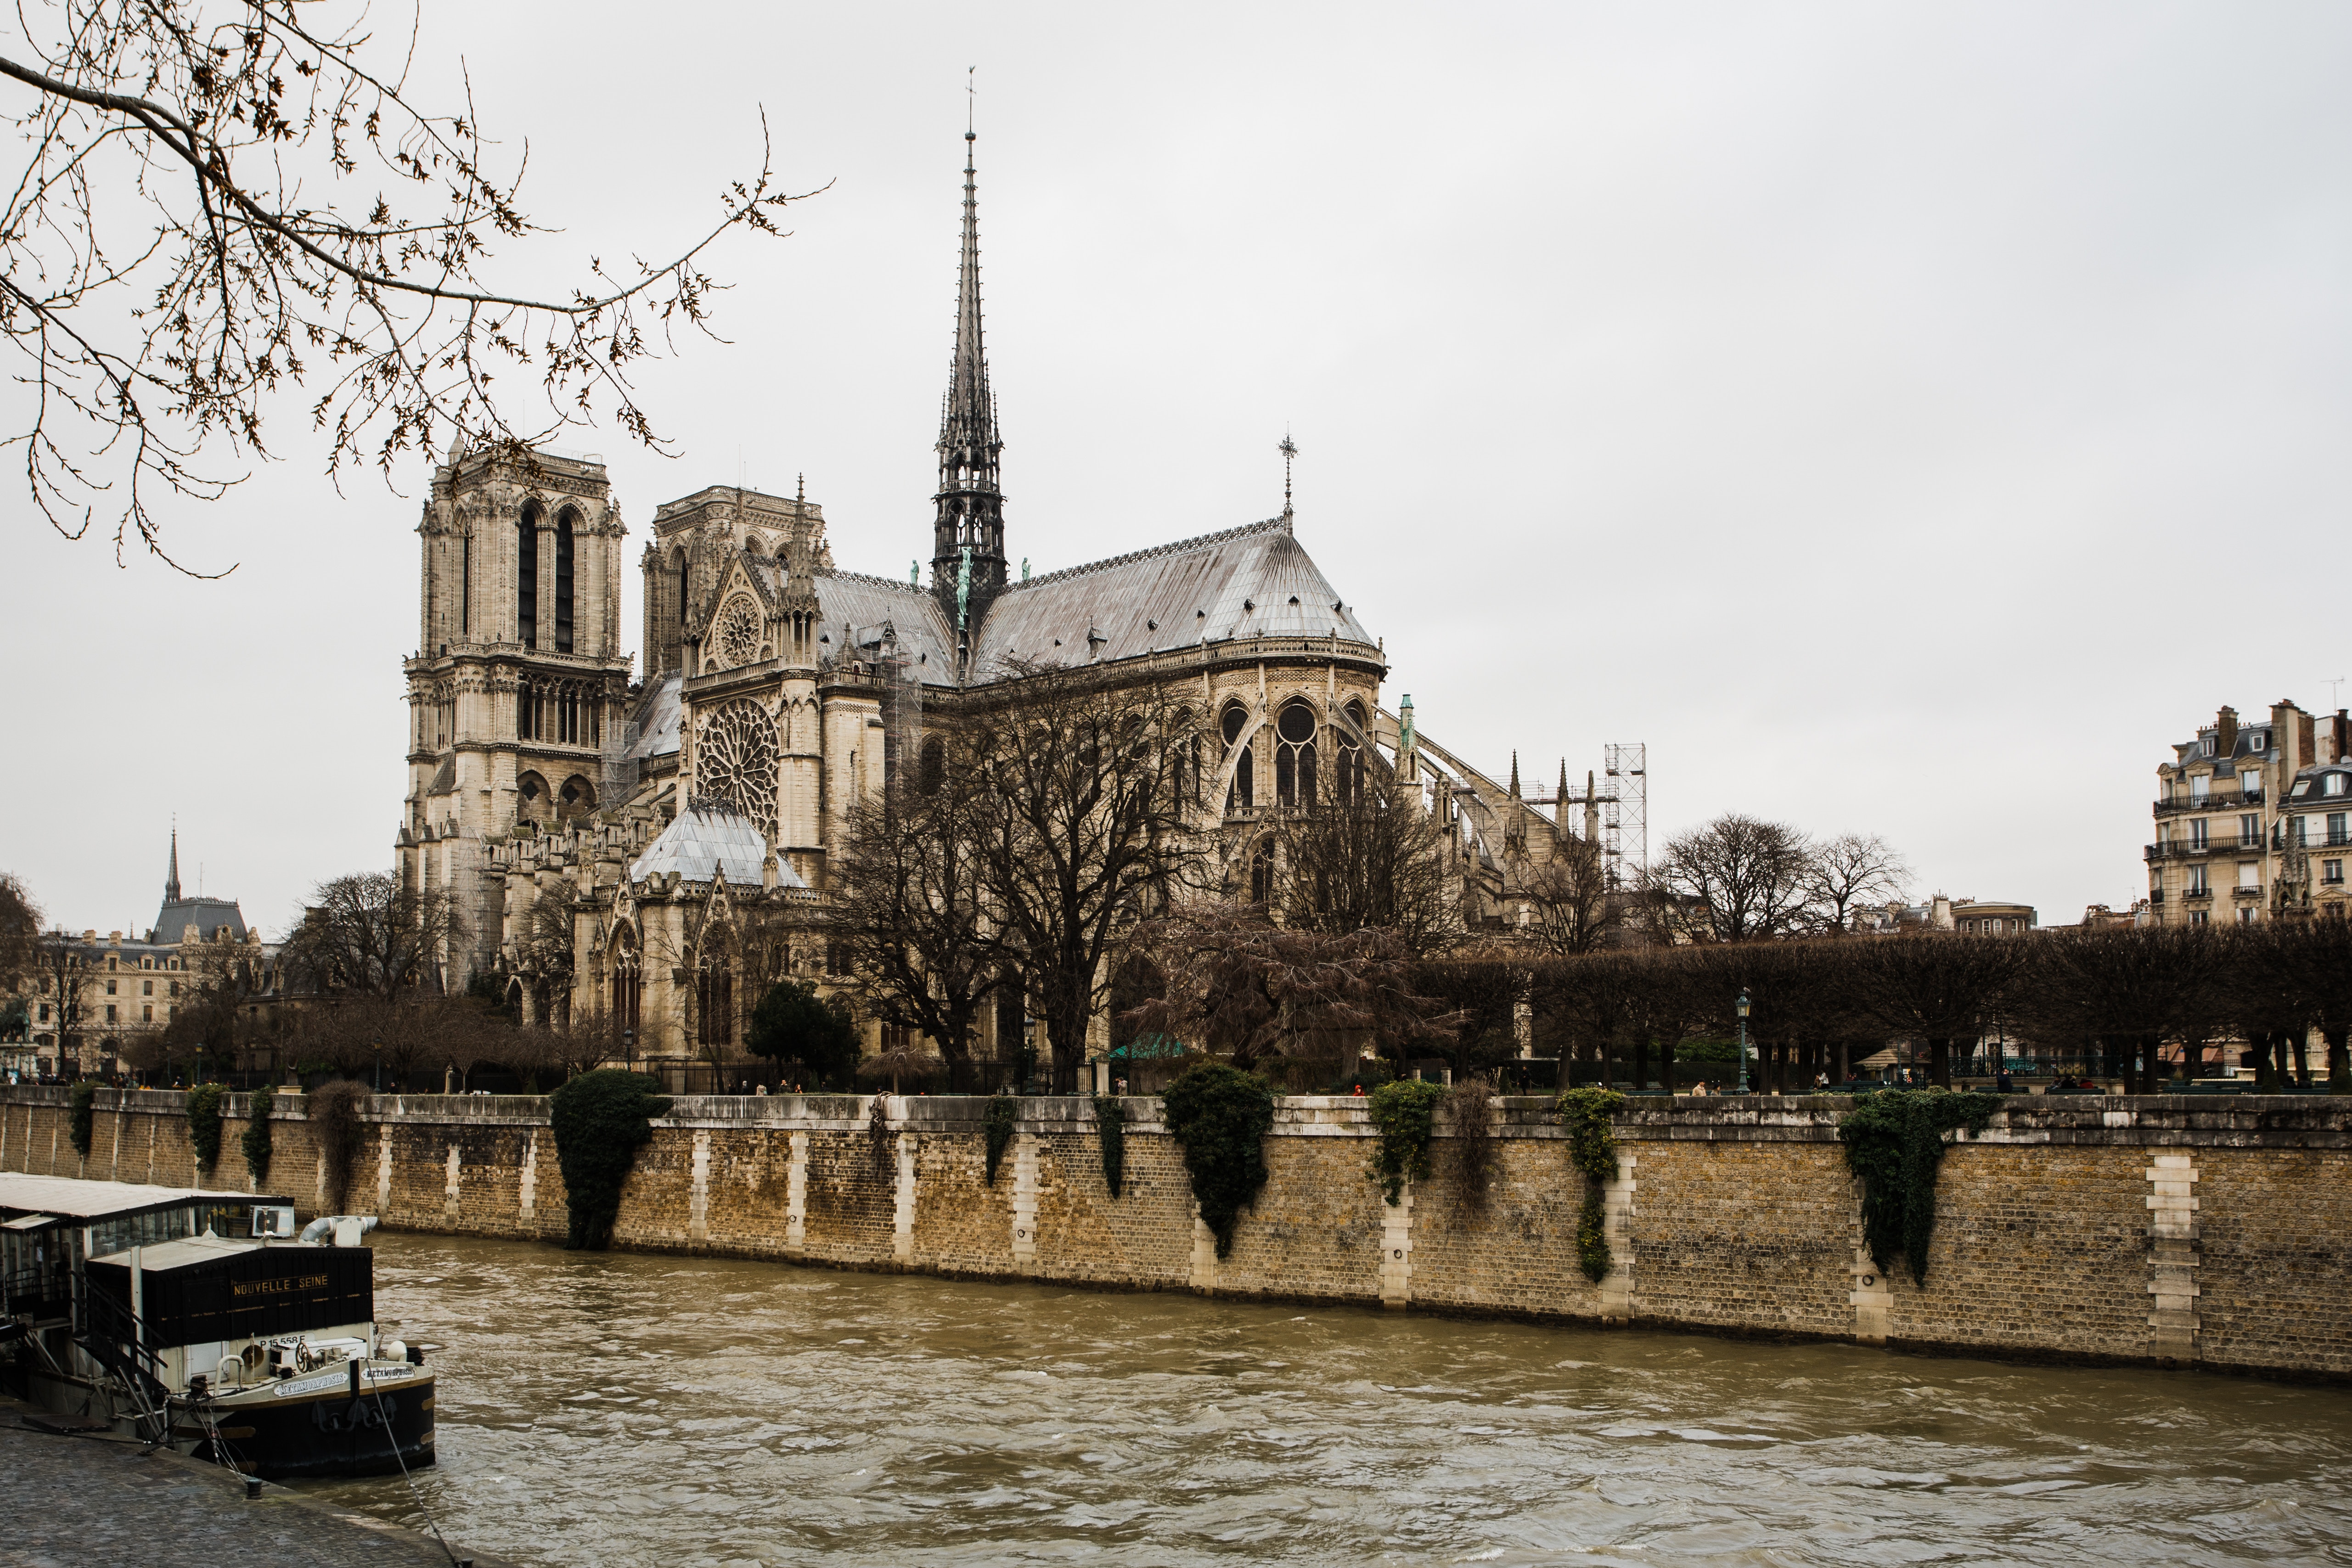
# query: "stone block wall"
2153, 1230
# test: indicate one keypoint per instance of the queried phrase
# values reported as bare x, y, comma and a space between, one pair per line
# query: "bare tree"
367, 933
63, 984
1850, 870
1740, 877
1943, 989
1377, 861
1571, 906
1083, 789
217, 202
20, 933
1238, 986
907, 915
2129, 987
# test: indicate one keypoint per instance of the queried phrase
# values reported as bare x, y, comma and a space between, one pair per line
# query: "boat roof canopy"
87, 1202
164, 1255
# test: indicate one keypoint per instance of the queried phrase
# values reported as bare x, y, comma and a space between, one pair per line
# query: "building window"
2331, 871
1294, 757
2249, 830
1230, 723
2250, 873
45, 1012
563, 583
527, 578
2197, 840
109, 988
2197, 917
715, 1010
2254, 741
110, 1012
2246, 915
1262, 873
2336, 827
2197, 879
897, 1037
2299, 832
174, 987
2334, 785
146, 988
146, 1015
2200, 786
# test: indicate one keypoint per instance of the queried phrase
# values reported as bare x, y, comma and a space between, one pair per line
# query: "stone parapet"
2159, 1230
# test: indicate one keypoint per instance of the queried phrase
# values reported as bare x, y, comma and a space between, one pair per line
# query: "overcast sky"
1904, 421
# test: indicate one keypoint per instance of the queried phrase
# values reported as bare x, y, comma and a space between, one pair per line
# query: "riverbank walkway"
80, 1502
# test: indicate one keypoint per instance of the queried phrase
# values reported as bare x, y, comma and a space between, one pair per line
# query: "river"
610, 1409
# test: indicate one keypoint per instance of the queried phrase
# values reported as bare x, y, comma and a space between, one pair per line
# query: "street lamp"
1743, 1041
379, 1067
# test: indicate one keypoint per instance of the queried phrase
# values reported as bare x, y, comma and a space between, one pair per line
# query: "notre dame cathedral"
622, 852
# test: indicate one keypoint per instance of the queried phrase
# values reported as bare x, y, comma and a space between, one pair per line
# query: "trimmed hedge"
601, 1120
1220, 1115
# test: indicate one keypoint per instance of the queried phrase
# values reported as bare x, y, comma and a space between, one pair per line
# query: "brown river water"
632, 1409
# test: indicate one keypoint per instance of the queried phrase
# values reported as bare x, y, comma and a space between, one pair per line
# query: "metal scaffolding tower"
1626, 813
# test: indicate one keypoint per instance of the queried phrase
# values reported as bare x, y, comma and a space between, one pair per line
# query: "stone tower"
518, 677
970, 525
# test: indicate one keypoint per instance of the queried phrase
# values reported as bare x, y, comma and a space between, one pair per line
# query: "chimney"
2291, 740
2225, 736
2340, 728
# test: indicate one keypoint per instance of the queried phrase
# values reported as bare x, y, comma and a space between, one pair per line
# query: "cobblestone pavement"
92, 1502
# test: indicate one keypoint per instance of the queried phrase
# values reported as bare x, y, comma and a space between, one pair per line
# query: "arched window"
1261, 873
527, 578
1230, 723
1347, 781
1294, 757
563, 582
531, 801
934, 767
575, 799
627, 981
715, 1003
679, 562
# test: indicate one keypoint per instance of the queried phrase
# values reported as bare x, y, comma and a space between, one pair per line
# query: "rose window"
735, 761
739, 632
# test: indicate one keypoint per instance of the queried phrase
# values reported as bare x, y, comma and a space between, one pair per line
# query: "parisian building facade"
2253, 820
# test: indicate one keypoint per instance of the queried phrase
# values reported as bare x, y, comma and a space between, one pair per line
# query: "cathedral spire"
970, 506
171, 877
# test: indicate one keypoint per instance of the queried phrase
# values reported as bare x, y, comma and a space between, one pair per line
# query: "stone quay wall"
2159, 1230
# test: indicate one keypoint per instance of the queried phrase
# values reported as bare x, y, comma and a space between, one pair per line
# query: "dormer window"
2334, 785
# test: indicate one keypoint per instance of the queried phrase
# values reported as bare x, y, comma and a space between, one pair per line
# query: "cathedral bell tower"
968, 536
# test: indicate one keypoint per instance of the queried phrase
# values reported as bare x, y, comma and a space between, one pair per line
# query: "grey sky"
1906, 421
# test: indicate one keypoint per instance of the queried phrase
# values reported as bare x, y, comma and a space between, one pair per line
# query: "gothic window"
1294, 757
628, 982
715, 1004
739, 631
679, 562
934, 770
563, 582
527, 578
1230, 723
530, 798
735, 761
1347, 783
575, 799
465, 586
1261, 873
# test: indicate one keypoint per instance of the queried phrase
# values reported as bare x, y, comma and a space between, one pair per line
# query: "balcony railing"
2186, 848
2180, 803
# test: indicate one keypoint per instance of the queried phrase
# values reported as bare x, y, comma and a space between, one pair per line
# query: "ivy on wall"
1220, 1115
335, 1123
257, 1142
81, 1115
1110, 1131
205, 1122
1895, 1141
600, 1120
1592, 1149
1405, 1115
1001, 1114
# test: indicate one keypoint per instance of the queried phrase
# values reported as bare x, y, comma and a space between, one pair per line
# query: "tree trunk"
1641, 1059
2339, 1063
1844, 1062
2303, 1058
1939, 1063
1666, 1067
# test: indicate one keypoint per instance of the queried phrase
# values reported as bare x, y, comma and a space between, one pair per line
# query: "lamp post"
628, 1049
1743, 1041
379, 1067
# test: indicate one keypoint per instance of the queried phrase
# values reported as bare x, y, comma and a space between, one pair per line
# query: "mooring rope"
414, 1496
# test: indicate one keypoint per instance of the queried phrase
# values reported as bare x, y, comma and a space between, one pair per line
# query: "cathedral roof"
709, 837
1251, 581
856, 607
655, 716
186, 919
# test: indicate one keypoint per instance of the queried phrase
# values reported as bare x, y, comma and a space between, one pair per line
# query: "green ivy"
1405, 1114
1592, 1149
205, 1122
339, 1133
257, 1142
1895, 1141
1222, 1116
1001, 1114
1110, 1131
601, 1119
81, 1115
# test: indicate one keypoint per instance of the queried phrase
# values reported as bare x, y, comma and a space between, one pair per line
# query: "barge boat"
202, 1319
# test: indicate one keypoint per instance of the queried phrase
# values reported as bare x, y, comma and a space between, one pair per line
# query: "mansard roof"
1250, 582
184, 919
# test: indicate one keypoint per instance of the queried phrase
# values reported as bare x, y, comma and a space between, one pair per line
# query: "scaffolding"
1622, 799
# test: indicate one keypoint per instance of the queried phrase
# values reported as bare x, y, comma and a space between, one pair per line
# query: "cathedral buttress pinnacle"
971, 521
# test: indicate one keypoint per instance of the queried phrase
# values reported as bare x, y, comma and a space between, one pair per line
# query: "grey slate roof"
184, 918
855, 605
709, 837
655, 716
1255, 580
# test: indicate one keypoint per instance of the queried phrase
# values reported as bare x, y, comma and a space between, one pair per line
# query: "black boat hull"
331, 1433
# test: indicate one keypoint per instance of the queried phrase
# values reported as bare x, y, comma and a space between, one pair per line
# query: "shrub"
1220, 1115
1405, 1112
1110, 1131
1592, 1149
205, 1122
1001, 1113
81, 1115
601, 1120
335, 1122
257, 1142
793, 1023
1895, 1142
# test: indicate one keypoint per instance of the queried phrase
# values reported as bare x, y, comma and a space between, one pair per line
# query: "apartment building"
2251, 820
